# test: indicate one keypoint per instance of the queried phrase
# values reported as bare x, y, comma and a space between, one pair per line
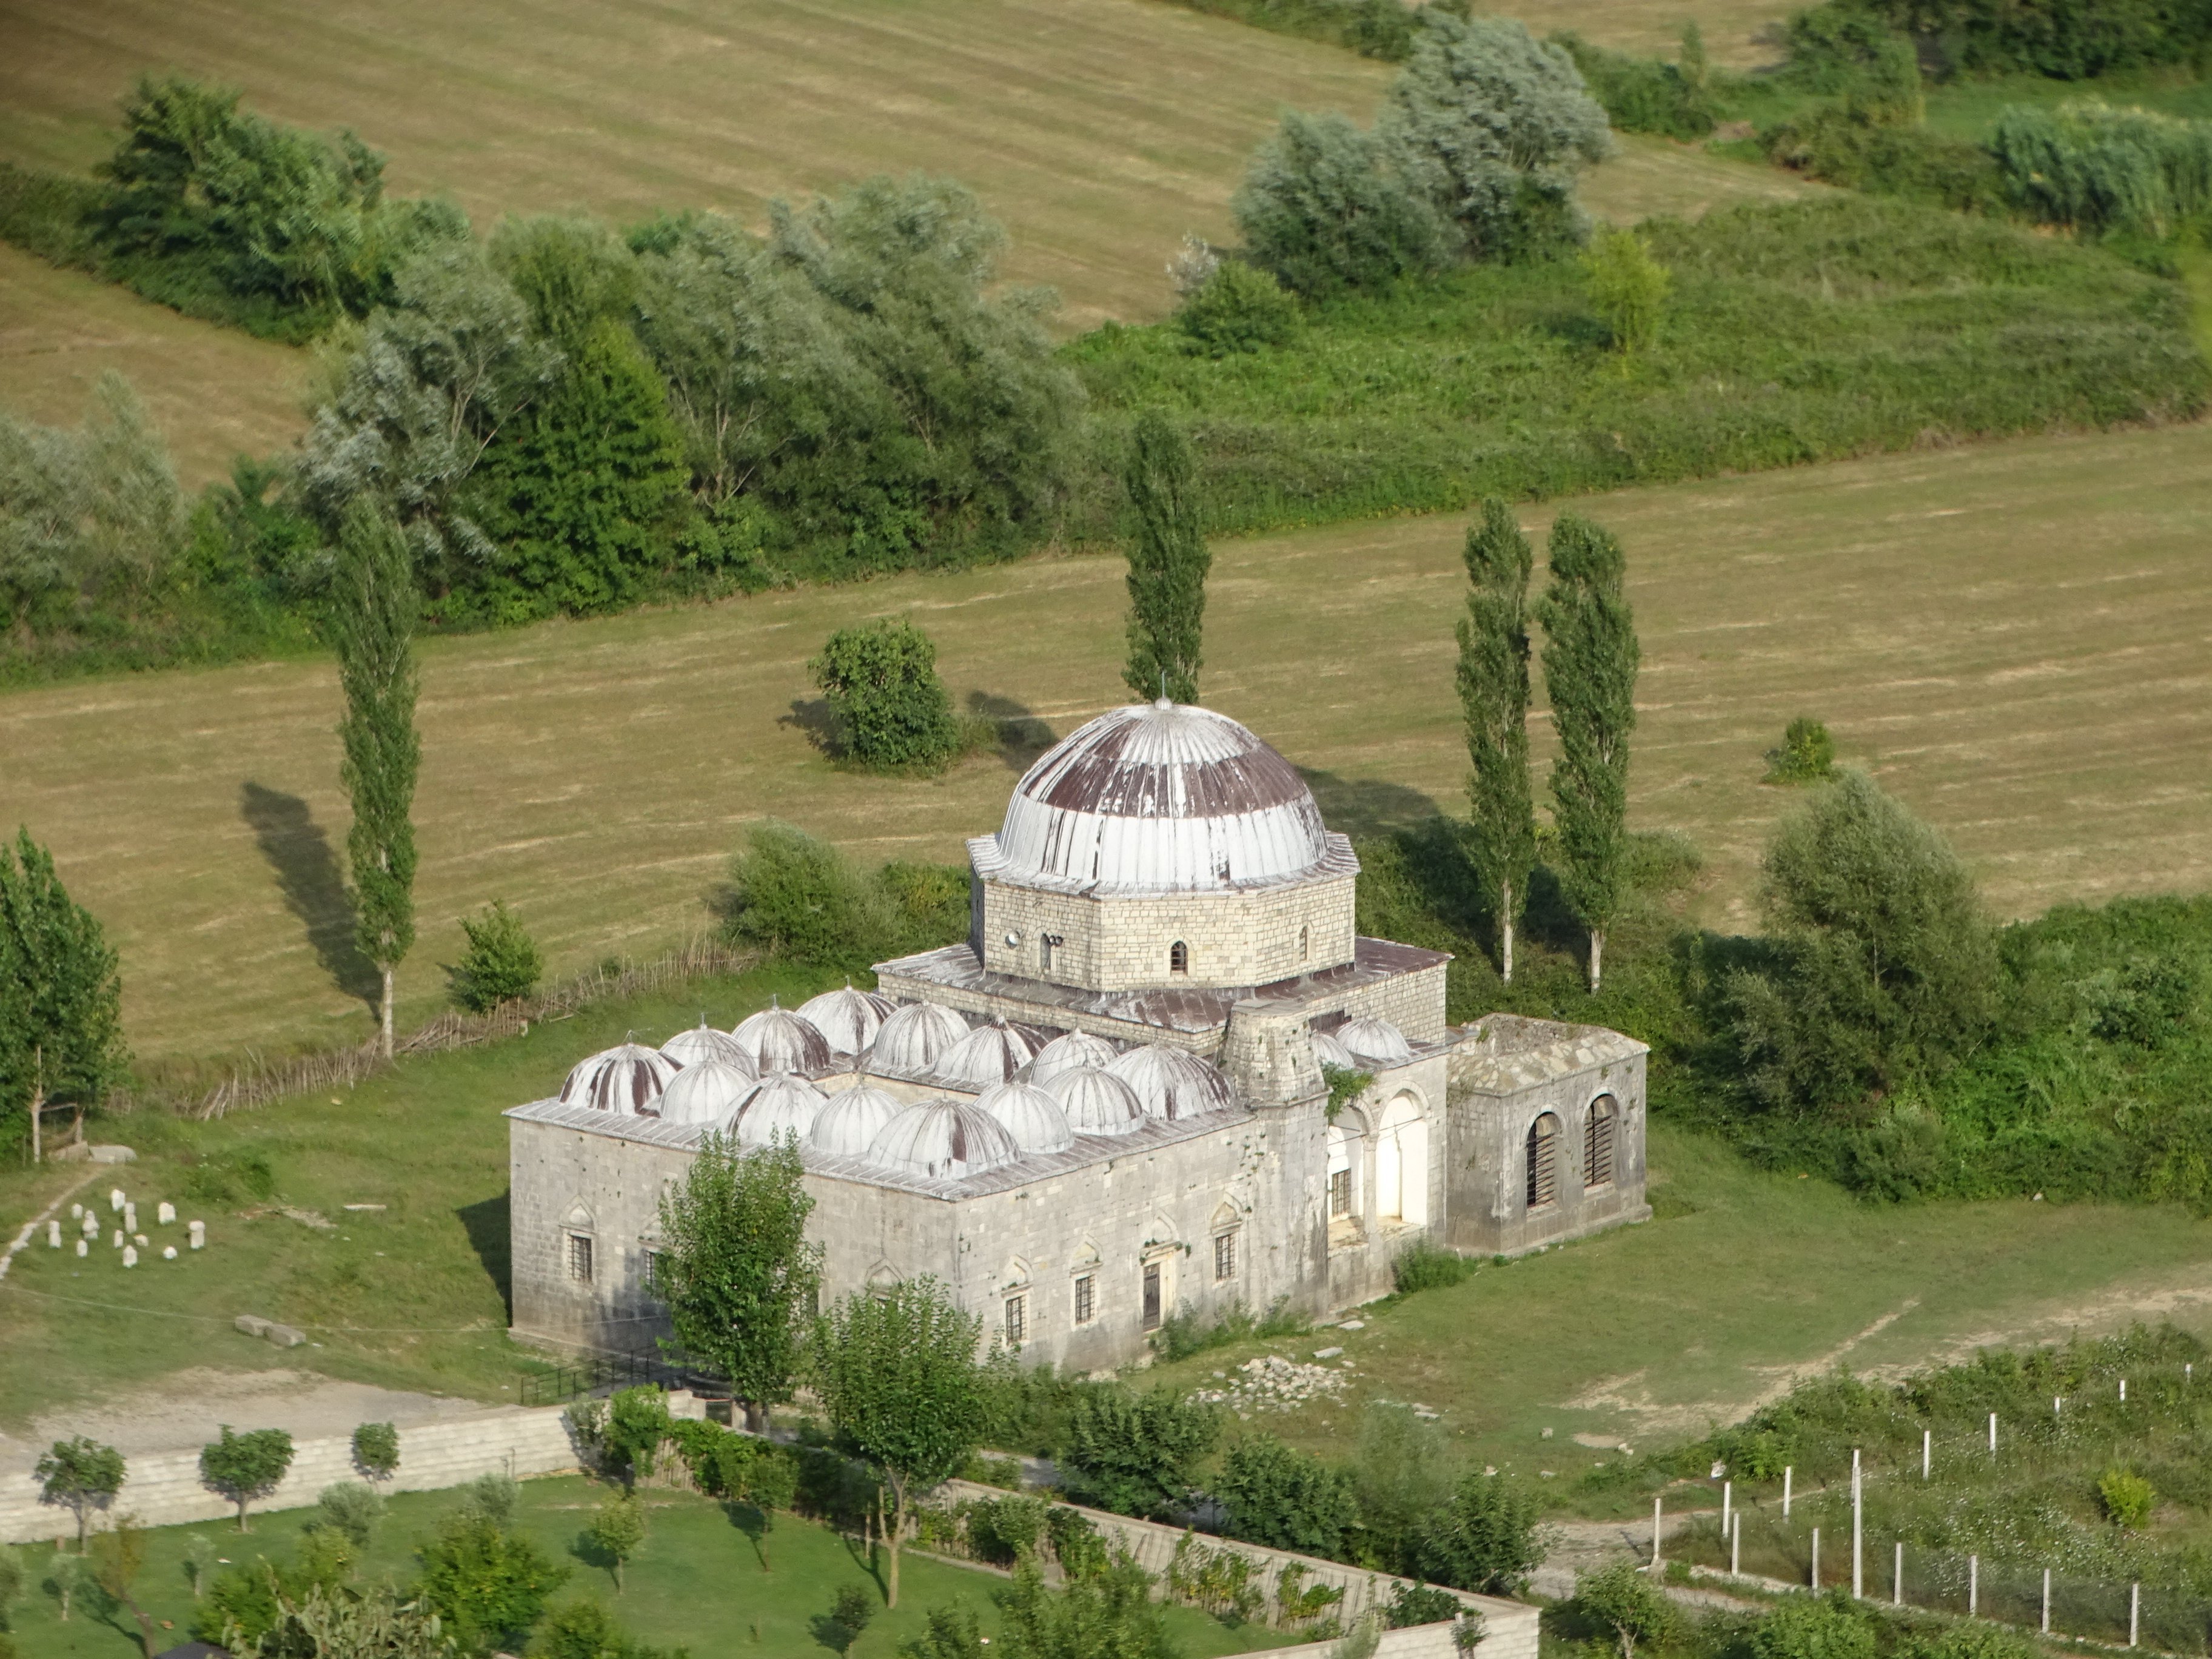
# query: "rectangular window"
1018, 1320
1085, 1305
1225, 1255
652, 1271
1151, 1296
580, 1258
1340, 1193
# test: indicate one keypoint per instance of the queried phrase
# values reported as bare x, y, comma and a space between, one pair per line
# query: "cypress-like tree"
1590, 657
374, 625
61, 998
1167, 563
1493, 696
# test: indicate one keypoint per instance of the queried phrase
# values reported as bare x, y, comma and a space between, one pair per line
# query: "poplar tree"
61, 998
1590, 657
1493, 696
1167, 563
374, 625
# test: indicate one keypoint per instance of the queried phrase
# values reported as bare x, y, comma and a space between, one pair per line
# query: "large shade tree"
1493, 697
896, 1371
735, 1269
61, 997
82, 1475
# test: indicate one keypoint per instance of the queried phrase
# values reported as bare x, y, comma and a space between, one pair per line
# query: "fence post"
1727, 1504
1897, 1579
1786, 1474
2134, 1611
1858, 1564
2046, 1601
2124, 1391
1993, 1434
1926, 1437
1656, 1503
1736, 1546
1816, 1560
1973, 1586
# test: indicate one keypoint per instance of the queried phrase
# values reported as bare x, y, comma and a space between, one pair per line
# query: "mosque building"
1108, 1105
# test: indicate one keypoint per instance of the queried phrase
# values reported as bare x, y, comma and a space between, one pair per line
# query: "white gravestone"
115, 1198
199, 1230
54, 1235
83, 1249
116, 1244
168, 1253
167, 1214
129, 1256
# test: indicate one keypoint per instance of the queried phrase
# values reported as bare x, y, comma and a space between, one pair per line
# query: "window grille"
1305, 943
1178, 957
1597, 1142
1085, 1304
1225, 1255
654, 1266
580, 1258
1340, 1193
1151, 1296
1017, 1320
1543, 1162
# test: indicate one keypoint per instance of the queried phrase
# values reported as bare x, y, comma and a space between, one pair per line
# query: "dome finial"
1165, 701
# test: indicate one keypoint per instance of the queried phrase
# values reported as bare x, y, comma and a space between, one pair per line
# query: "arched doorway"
1402, 1163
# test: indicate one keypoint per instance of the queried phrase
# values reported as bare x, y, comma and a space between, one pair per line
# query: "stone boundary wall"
1509, 1628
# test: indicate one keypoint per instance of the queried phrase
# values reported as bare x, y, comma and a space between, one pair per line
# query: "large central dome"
1163, 797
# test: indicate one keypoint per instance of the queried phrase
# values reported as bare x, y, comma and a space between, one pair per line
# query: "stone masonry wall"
1489, 1213
1123, 944
1413, 1002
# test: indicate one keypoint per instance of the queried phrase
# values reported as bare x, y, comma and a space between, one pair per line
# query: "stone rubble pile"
1272, 1383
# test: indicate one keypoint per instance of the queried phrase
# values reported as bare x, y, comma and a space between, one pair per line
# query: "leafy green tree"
374, 625
118, 1556
1493, 125
1627, 286
616, 1529
69, 1577
1812, 1628
1620, 1598
376, 1450
1284, 1498
1881, 963
486, 1583
245, 1467
1590, 659
736, 1271
502, 963
350, 1508
1493, 699
1136, 1454
637, 1422
1402, 1474
82, 1475
61, 997
897, 1374
1488, 1537
1808, 753
797, 898
1239, 308
1168, 562
892, 711
1324, 207
361, 1622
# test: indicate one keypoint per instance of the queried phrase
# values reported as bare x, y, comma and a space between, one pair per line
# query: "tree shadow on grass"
312, 883
1021, 736
811, 717
486, 1225
1367, 806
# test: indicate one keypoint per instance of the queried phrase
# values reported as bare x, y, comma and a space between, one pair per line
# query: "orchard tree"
880, 681
82, 1475
374, 624
1493, 698
245, 1467
1168, 562
61, 998
617, 1528
736, 1271
118, 1555
897, 1374
1591, 659
376, 1450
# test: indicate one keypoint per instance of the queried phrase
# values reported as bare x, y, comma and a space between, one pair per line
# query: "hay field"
2014, 637
1735, 31
213, 391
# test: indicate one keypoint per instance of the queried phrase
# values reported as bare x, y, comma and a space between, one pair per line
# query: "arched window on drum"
1544, 1162
1601, 1128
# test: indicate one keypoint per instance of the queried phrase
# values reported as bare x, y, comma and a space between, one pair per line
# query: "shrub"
1645, 94
1000, 1529
2103, 169
2127, 1497
351, 1509
1808, 753
891, 710
637, 1422
1841, 46
1973, 1640
1326, 208
1486, 1538
1628, 287
1134, 1454
1238, 308
1402, 1472
1885, 151
2066, 42
376, 1450
1622, 1599
585, 1629
249, 1599
1424, 1265
1284, 1498
1420, 1604
1807, 1627
486, 1583
502, 963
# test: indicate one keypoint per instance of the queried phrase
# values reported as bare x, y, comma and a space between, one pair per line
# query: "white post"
1858, 1564
1735, 1545
1993, 1434
2055, 1402
1786, 1474
2124, 1391
2134, 1611
1727, 1504
1897, 1579
1926, 1437
1973, 1586
1816, 1558
2046, 1601
1656, 1503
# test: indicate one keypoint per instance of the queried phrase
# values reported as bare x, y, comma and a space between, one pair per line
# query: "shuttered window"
1597, 1141
1085, 1289
1543, 1162
580, 1258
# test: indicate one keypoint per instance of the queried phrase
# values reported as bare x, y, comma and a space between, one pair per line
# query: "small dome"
989, 1054
848, 1019
1327, 1051
1065, 1053
913, 1037
944, 1141
1097, 1103
780, 1041
1161, 798
709, 1092
1374, 1042
702, 1042
850, 1124
779, 1103
628, 1078
1030, 1116
1172, 1084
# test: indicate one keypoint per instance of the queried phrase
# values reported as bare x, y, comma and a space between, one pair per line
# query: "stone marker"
252, 1324
129, 1217
54, 1235
76, 1211
198, 1231
168, 1253
114, 1155
167, 1214
284, 1336
115, 1198
83, 1249
129, 1256
139, 1239
116, 1242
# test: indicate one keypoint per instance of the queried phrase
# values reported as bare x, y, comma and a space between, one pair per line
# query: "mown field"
2012, 636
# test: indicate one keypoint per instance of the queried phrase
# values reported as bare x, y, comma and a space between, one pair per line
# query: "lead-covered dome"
1097, 1102
910, 1040
709, 1092
944, 1141
777, 1040
1172, 1084
1327, 1051
704, 1043
988, 1055
848, 1019
1068, 1053
1376, 1042
1162, 797
850, 1124
1030, 1116
779, 1103
627, 1078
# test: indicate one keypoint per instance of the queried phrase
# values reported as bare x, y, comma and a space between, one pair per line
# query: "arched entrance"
1402, 1163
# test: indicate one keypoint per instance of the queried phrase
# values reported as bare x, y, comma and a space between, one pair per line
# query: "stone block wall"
1488, 1199
1413, 1002
1123, 944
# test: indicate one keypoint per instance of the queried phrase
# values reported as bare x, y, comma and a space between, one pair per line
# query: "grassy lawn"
2012, 635
696, 1582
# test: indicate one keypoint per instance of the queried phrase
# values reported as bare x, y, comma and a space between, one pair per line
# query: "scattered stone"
1319, 1353
139, 1239
1718, 1470
167, 1214
1272, 1383
1547, 1434
284, 1336
77, 1211
116, 1242
309, 1219
1354, 1325
252, 1324
114, 1155
1221, 1373
1489, 1468
1547, 1474
129, 1256
168, 1253
364, 1206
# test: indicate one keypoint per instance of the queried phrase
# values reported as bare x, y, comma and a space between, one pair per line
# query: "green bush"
2065, 42
1284, 1498
1238, 308
1135, 1454
1810, 1627
1002, 1530
1842, 46
501, 963
891, 710
1628, 287
1326, 209
1619, 1598
351, 1509
247, 1599
1427, 1266
2127, 1497
1420, 1604
1646, 94
486, 1584
800, 900
1486, 1538
1808, 753
2100, 169
1885, 151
